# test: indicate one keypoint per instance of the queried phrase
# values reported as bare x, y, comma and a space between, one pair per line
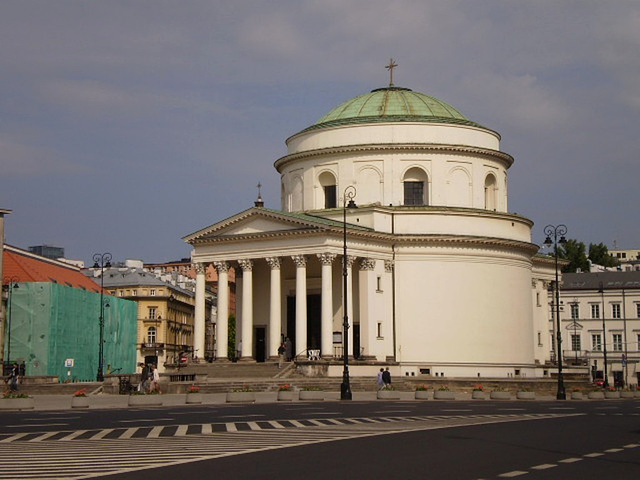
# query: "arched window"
490, 192
329, 189
151, 335
415, 187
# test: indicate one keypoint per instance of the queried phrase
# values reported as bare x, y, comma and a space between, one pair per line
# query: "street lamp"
345, 387
9, 284
604, 336
101, 261
556, 231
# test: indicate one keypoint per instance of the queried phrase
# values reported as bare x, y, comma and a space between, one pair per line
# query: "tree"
599, 254
576, 253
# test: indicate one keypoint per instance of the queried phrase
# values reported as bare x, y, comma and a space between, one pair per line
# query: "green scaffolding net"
55, 330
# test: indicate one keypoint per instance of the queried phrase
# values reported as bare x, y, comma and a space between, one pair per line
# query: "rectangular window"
152, 292
638, 342
152, 313
596, 342
638, 310
413, 193
379, 329
575, 311
615, 310
134, 292
575, 343
330, 197
617, 342
595, 310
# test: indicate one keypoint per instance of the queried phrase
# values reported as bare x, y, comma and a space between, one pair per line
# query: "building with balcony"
600, 312
165, 313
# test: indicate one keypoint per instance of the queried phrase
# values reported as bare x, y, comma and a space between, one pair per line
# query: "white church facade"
442, 279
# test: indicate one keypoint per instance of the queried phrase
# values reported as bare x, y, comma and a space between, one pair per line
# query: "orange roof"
23, 266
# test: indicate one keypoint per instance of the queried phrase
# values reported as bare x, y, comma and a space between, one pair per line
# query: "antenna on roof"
259, 202
390, 67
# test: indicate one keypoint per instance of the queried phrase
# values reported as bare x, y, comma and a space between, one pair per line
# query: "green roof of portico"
392, 104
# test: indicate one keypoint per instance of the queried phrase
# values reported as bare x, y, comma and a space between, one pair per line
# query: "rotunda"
442, 280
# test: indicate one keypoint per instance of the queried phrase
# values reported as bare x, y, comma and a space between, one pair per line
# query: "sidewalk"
102, 401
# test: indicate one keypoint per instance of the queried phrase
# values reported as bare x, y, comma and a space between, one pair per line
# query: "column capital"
274, 262
246, 264
326, 258
299, 260
367, 264
349, 261
388, 266
221, 266
200, 268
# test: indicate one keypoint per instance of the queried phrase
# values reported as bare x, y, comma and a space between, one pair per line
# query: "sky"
126, 125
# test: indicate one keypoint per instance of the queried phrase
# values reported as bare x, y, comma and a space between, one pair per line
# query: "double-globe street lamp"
9, 284
345, 387
604, 336
555, 232
101, 261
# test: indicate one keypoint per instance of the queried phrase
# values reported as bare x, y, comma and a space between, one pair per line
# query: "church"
396, 205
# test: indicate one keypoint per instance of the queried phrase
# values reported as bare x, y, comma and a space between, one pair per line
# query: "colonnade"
245, 315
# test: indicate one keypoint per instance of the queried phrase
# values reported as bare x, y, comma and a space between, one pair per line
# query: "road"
461, 440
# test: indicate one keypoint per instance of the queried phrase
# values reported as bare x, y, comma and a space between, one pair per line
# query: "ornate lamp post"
9, 284
604, 336
555, 231
345, 387
101, 261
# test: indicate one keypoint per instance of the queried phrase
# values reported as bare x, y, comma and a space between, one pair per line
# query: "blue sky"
127, 125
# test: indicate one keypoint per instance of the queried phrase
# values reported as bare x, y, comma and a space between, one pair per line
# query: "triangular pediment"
259, 222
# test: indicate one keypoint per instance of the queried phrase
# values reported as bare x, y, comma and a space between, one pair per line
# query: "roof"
116, 277
392, 104
22, 266
593, 281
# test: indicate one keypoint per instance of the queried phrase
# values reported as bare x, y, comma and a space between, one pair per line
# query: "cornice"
505, 158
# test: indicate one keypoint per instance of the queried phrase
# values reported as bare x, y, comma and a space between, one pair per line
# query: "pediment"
259, 222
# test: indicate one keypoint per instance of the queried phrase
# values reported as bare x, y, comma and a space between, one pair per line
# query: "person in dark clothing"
386, 377
14, 373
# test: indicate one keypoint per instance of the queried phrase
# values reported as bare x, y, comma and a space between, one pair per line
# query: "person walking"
288, 347
386, 378
379, 380
155, 379
14, 373
281, 351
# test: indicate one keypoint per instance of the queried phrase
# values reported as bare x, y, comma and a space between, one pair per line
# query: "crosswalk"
81, 454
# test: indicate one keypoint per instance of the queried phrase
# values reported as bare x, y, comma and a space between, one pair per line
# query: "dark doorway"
314, 310
261, 349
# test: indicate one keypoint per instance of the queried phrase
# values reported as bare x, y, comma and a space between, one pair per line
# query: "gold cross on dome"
390, 67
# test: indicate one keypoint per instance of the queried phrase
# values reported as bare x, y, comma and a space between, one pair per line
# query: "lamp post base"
345, 387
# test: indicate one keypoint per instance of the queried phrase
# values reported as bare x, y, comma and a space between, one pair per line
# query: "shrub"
421, 388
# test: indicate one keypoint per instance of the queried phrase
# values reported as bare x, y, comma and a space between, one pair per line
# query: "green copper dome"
392, 104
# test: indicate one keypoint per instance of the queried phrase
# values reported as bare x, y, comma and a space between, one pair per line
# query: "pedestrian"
288, 349
144, 378
155, 379
386, 378
14, 373
379, 381
281, 351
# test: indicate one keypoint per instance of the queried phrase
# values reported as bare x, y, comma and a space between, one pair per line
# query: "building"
183, 272
48, 251
52, 323
165, 313
629, 259
600, 312
441, 280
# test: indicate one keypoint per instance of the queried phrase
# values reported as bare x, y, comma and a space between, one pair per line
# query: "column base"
247, 360
222, 360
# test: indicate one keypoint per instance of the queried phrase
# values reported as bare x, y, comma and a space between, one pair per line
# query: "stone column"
199, 323
369, 307
350, 261
222, 324
247, 309
275, 308
301, 304
326, 325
